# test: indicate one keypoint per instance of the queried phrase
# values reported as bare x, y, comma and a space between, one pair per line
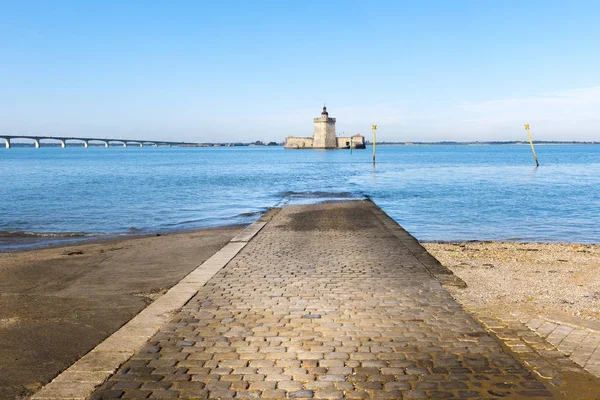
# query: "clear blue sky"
248, 70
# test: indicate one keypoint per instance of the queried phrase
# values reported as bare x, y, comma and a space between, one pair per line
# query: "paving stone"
248, 394
301, 394
290, 386
571, 341
156, 385
164, 394
263, 385
415, 394
546, 328
107, 394
329, 394
136, 394
392, 386
221, 394
273, 394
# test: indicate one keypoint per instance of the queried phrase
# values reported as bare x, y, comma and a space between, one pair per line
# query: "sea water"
441, 193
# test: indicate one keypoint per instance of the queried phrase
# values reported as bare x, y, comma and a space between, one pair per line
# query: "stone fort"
324, 137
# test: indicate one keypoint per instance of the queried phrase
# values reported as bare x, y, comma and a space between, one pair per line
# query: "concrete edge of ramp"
90, 371
431, 264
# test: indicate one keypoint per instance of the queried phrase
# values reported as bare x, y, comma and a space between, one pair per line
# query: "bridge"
86, 140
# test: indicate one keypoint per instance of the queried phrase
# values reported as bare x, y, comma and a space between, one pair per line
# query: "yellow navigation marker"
374, 127
537, 164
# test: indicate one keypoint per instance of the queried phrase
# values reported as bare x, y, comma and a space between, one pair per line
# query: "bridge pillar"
7, 143
106, 143
63, 143
37, 143
85, 144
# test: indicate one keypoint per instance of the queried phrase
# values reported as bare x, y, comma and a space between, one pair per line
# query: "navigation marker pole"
374, 127
537, 164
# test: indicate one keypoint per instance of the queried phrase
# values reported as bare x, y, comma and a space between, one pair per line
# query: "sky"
226, 71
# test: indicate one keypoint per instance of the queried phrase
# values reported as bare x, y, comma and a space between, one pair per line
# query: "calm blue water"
435, 192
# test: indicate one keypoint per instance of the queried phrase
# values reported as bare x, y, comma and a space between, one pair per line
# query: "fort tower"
324, 134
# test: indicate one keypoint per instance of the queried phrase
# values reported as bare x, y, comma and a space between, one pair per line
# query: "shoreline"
33, 242
511, 241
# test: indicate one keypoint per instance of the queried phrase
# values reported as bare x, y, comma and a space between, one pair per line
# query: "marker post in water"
537, 164
374, 127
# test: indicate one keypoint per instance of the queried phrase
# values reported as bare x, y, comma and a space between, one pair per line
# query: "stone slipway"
326, 301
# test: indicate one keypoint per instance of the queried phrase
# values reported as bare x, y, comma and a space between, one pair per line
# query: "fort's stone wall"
343, 142
292, 142
357, 142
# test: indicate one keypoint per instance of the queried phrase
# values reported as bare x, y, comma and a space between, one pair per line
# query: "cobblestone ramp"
325, 302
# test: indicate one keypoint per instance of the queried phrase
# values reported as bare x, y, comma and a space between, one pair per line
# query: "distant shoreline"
517, 143
368, 143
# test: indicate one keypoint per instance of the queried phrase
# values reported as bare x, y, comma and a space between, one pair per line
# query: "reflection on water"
435, 192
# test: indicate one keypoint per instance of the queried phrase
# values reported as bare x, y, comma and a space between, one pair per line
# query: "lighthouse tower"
324, 134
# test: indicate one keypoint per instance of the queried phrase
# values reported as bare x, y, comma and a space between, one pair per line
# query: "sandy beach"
557, 280
57, 304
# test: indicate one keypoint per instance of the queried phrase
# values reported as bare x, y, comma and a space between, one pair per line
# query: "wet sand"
57, 304
558, 280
